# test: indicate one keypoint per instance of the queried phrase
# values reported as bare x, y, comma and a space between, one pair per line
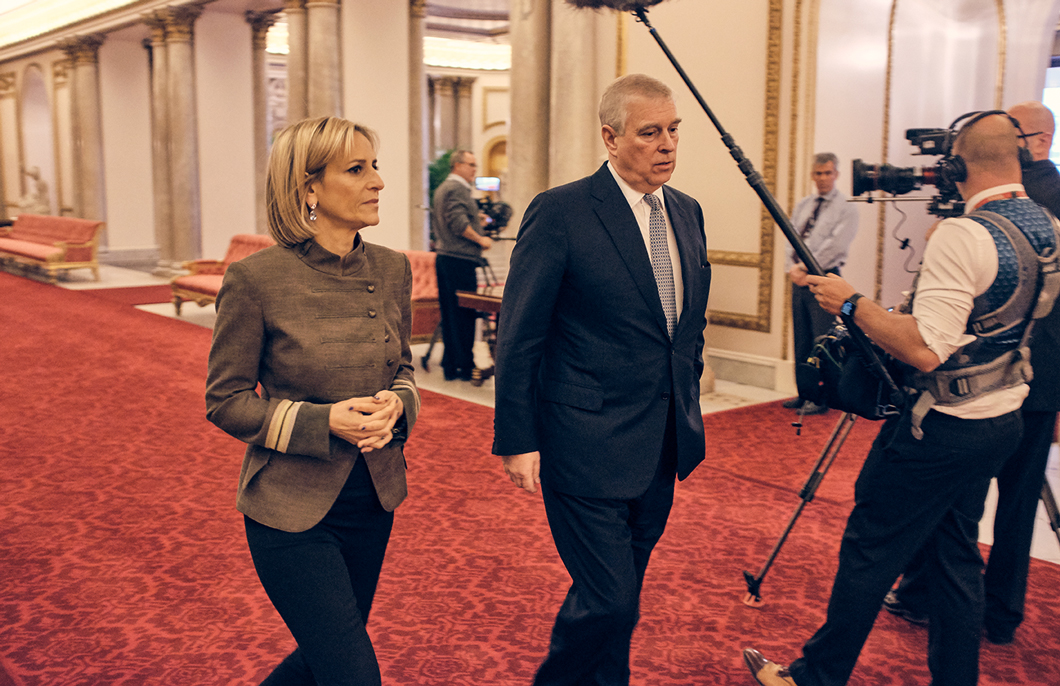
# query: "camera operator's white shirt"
960, 263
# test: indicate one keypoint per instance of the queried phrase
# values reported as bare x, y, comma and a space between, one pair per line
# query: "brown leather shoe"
765, 672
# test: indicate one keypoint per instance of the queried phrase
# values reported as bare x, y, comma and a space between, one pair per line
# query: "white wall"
225, 105
723, 48
375, 65
125, 112
851, 66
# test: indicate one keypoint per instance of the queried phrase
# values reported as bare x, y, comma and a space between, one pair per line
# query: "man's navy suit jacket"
586, 370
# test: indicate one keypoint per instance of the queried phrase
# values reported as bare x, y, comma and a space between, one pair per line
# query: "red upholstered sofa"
425, 312
204, 280
53, 243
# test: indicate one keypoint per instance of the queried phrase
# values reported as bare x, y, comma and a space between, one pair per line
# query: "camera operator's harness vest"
1027, 283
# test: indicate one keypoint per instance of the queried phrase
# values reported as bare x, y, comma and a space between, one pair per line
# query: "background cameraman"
927, 494
1019, 483
459, 241
828, 224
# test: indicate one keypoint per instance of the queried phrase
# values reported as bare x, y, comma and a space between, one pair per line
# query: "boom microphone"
620, 5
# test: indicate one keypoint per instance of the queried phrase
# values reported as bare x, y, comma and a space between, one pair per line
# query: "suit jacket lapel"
617, 218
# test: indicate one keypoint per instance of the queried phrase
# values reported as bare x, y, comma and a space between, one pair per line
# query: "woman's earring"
312, 212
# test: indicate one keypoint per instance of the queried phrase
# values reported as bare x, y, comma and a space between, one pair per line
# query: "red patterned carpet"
122, 559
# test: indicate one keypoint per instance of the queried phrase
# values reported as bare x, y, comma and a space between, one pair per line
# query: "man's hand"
484, 242
524, 470
368, 423
798, 274
831, 291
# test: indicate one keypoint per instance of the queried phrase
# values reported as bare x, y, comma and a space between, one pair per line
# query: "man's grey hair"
457, 157
826, 157
613, 104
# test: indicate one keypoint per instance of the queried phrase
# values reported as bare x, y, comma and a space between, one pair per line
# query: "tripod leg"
435, 337
1050, 508
753, 597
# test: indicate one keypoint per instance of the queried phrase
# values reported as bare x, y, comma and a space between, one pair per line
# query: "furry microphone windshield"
620, 5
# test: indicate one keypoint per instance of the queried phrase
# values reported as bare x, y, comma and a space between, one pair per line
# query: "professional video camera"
902, 180
499, 213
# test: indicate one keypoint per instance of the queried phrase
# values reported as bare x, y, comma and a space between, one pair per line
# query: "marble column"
83, 52
528, 140
324, 69
432, 123
464, 131
163, 201
183, 131
8, 91
419, 227
575, 148
297, 52
259, 27
445, 107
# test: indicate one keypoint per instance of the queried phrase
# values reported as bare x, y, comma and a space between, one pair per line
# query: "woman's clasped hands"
367, 422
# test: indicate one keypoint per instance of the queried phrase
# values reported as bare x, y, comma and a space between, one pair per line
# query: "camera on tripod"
901, 180
499, 213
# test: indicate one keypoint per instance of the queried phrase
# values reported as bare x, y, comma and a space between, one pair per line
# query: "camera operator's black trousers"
1019, 486
458, 323
915, 495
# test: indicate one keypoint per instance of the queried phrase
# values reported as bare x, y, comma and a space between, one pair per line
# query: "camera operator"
1019, 483
459, 242
924, 482
828, 224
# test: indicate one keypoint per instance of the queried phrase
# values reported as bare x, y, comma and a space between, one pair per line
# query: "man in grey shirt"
827, 224
459, 242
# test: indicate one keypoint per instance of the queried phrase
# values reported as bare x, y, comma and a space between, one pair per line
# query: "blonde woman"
319, 323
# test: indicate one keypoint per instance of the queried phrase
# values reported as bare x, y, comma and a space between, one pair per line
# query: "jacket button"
371, 288
386, 338
390, 363
665, 396
371, 313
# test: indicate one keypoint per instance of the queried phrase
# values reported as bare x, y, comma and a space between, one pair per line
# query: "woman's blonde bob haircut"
300, 153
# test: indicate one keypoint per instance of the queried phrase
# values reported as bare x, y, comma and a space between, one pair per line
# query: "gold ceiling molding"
8, 81
41, 24
763, 259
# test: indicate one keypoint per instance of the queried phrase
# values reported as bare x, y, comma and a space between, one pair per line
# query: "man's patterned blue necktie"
660, 262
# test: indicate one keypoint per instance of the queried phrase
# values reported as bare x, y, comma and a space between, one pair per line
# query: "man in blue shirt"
827, 224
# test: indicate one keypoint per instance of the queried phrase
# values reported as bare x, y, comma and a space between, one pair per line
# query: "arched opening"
38, 144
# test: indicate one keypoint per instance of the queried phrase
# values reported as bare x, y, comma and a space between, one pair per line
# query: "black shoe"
1000, 636
458, 374
809, 408
793, 404
896, 607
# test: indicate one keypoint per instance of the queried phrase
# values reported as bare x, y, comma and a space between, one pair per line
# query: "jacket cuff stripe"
288, 427
276, 426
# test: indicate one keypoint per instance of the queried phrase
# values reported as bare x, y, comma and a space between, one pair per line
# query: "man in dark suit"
599, 356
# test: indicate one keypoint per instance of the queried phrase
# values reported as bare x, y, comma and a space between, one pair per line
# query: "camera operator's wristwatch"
850, 304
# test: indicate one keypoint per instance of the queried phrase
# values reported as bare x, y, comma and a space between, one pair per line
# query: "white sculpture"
35, 200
